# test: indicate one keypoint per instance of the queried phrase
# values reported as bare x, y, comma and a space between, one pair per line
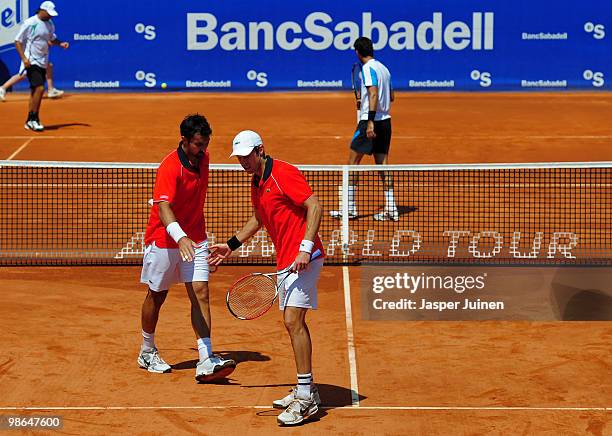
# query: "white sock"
303, 386
204, 348
390, 200
351, 199
148, 342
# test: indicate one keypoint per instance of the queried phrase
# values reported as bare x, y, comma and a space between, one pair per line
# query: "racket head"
356, 80
251, 296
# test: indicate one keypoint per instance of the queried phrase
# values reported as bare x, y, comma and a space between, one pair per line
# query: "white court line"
334, 137
350, 337
441, 186
342, 408
24, 145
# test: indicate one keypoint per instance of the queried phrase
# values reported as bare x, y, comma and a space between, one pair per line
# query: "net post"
345, 212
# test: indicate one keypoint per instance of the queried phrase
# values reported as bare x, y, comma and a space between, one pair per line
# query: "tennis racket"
252, 295
356, 84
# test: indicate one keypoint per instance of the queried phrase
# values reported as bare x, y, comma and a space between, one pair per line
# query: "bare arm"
392, 95
186, 245
313, 217
165, 213
62, 44
22, 55
373, 96
313, 221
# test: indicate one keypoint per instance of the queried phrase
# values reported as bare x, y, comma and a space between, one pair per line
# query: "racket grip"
314, 255
317, 253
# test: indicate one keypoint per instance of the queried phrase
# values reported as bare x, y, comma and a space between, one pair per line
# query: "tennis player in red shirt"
285, 205
177, 249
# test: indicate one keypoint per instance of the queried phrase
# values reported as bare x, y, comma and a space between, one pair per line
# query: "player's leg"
295, 323
36, 76
299, 295
36, 99
158, 273
12, 81
151, 306
381, 146
52, 91
149, 357
195, 275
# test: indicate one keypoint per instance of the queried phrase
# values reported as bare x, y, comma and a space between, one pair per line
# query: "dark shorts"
378, 145
37, 76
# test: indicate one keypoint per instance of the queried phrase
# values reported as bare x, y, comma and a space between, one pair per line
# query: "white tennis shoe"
34, 125
55, 93
297, 411
2, 94
214, 368
387, 215
152, 361
283, 403
352, 214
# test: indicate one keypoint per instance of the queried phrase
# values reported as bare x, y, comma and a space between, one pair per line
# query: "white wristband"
175, 231
306, 246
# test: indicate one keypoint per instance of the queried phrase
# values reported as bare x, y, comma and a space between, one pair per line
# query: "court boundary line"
331, 168
20, 149
350, 337
348, 136
389, 408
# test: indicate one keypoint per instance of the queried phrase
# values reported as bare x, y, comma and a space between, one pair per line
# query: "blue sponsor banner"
279, 45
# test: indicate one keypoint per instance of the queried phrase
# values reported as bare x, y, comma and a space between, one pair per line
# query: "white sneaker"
283, 403
2, 94
34, 125
387, 215
152, 361
55, 93
338, 214
298, 411
214, 368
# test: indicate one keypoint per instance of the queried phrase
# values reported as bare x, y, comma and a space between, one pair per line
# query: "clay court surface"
70, 335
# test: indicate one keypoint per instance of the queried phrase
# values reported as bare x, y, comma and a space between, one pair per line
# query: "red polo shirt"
184, 187
279, 198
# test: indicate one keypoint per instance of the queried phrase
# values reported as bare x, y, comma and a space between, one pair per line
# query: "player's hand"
186, 248
64, 45
358, 104
218, 253
370, 130
27, 64
301, 262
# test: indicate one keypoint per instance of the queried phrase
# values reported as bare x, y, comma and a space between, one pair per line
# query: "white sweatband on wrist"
306, 246
175, 231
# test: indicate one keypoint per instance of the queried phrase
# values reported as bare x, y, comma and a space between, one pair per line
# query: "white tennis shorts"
162, 267
300, 289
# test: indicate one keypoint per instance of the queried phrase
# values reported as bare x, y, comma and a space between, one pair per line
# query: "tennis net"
63, 213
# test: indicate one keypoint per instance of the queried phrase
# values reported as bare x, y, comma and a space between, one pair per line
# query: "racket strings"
252, 296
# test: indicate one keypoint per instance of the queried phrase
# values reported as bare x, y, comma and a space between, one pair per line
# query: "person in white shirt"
37, 33
373, 134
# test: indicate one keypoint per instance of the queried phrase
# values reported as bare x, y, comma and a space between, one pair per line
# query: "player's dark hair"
364, 46
195, 123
